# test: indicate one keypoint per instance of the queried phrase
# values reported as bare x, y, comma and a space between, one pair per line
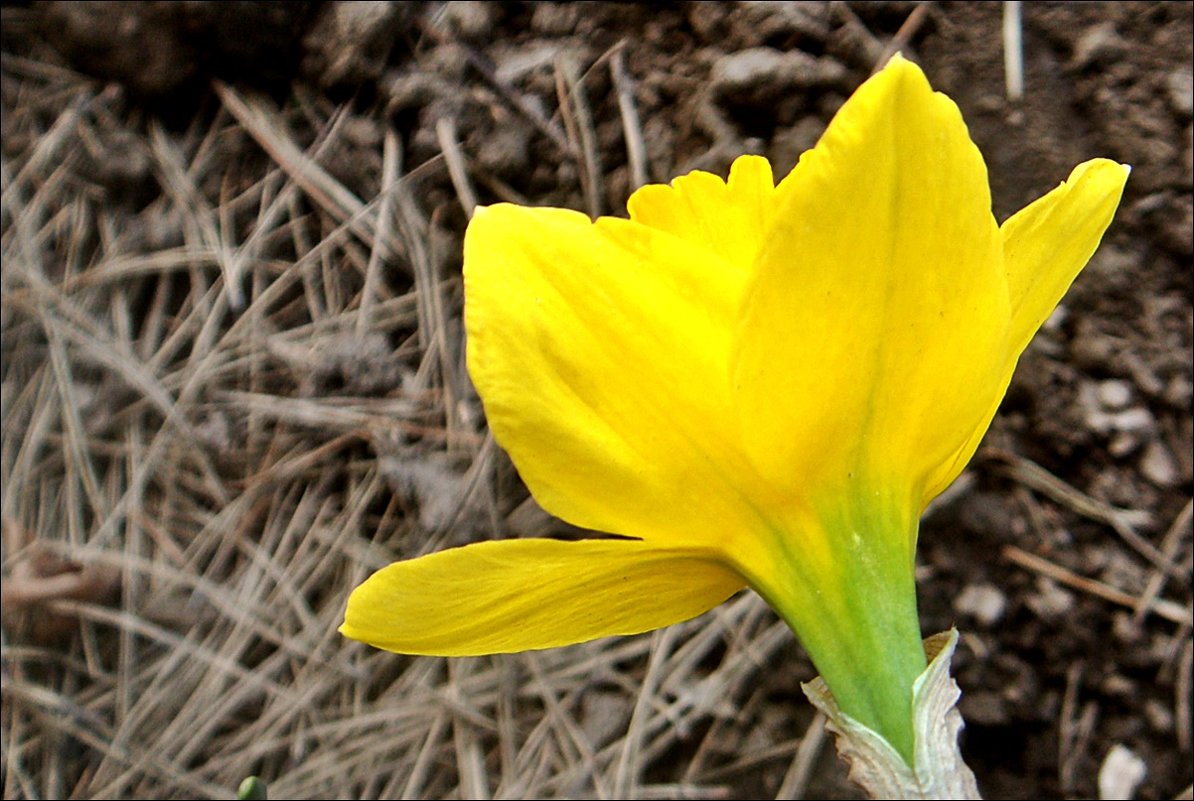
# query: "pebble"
1180, 84
1120, 686
1121, 773
984, 602
471, 19
350, 42
1123, 444
1105, 406
1050, 601
1138, 419
1180, 392
1158, 465
1114, 394
551, 19
759, 69
1097, 44
1125, 628
1055, 322
751, 66
773, 20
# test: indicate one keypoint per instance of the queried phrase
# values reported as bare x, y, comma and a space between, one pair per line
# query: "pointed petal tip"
1098, 178
898, 61
902, 67
482, 211
1107, 167
348, 632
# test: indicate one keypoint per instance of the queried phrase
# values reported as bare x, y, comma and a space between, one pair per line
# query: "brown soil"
233, 384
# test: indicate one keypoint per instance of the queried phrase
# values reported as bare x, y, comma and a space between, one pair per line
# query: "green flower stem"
937, 770
860, 625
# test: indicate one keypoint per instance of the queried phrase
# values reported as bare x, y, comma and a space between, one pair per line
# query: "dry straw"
233, 387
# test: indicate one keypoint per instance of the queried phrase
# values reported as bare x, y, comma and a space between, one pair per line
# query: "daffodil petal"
879, 309
517, 595
600, 352
730, 218
1045, 245
1048, 242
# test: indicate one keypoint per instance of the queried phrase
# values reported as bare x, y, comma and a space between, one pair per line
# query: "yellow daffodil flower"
754, 385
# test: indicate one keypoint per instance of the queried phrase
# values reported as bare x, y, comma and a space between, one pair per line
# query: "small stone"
1125, 628
1179, 392
557, 19
1158, 465
1099, 43
471, 20
1121, 773
984, 602
762, 74
1180, 84
1055, 322
774, 20
1119, 686
1050, 601
741, 70
1115, 394
1092, 408
1138, 419
1123, 444
349, 43
1106, 411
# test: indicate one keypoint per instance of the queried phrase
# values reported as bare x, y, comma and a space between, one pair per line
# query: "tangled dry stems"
223, 408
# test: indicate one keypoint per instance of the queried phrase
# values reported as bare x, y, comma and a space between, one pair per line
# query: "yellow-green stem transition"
865, 639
